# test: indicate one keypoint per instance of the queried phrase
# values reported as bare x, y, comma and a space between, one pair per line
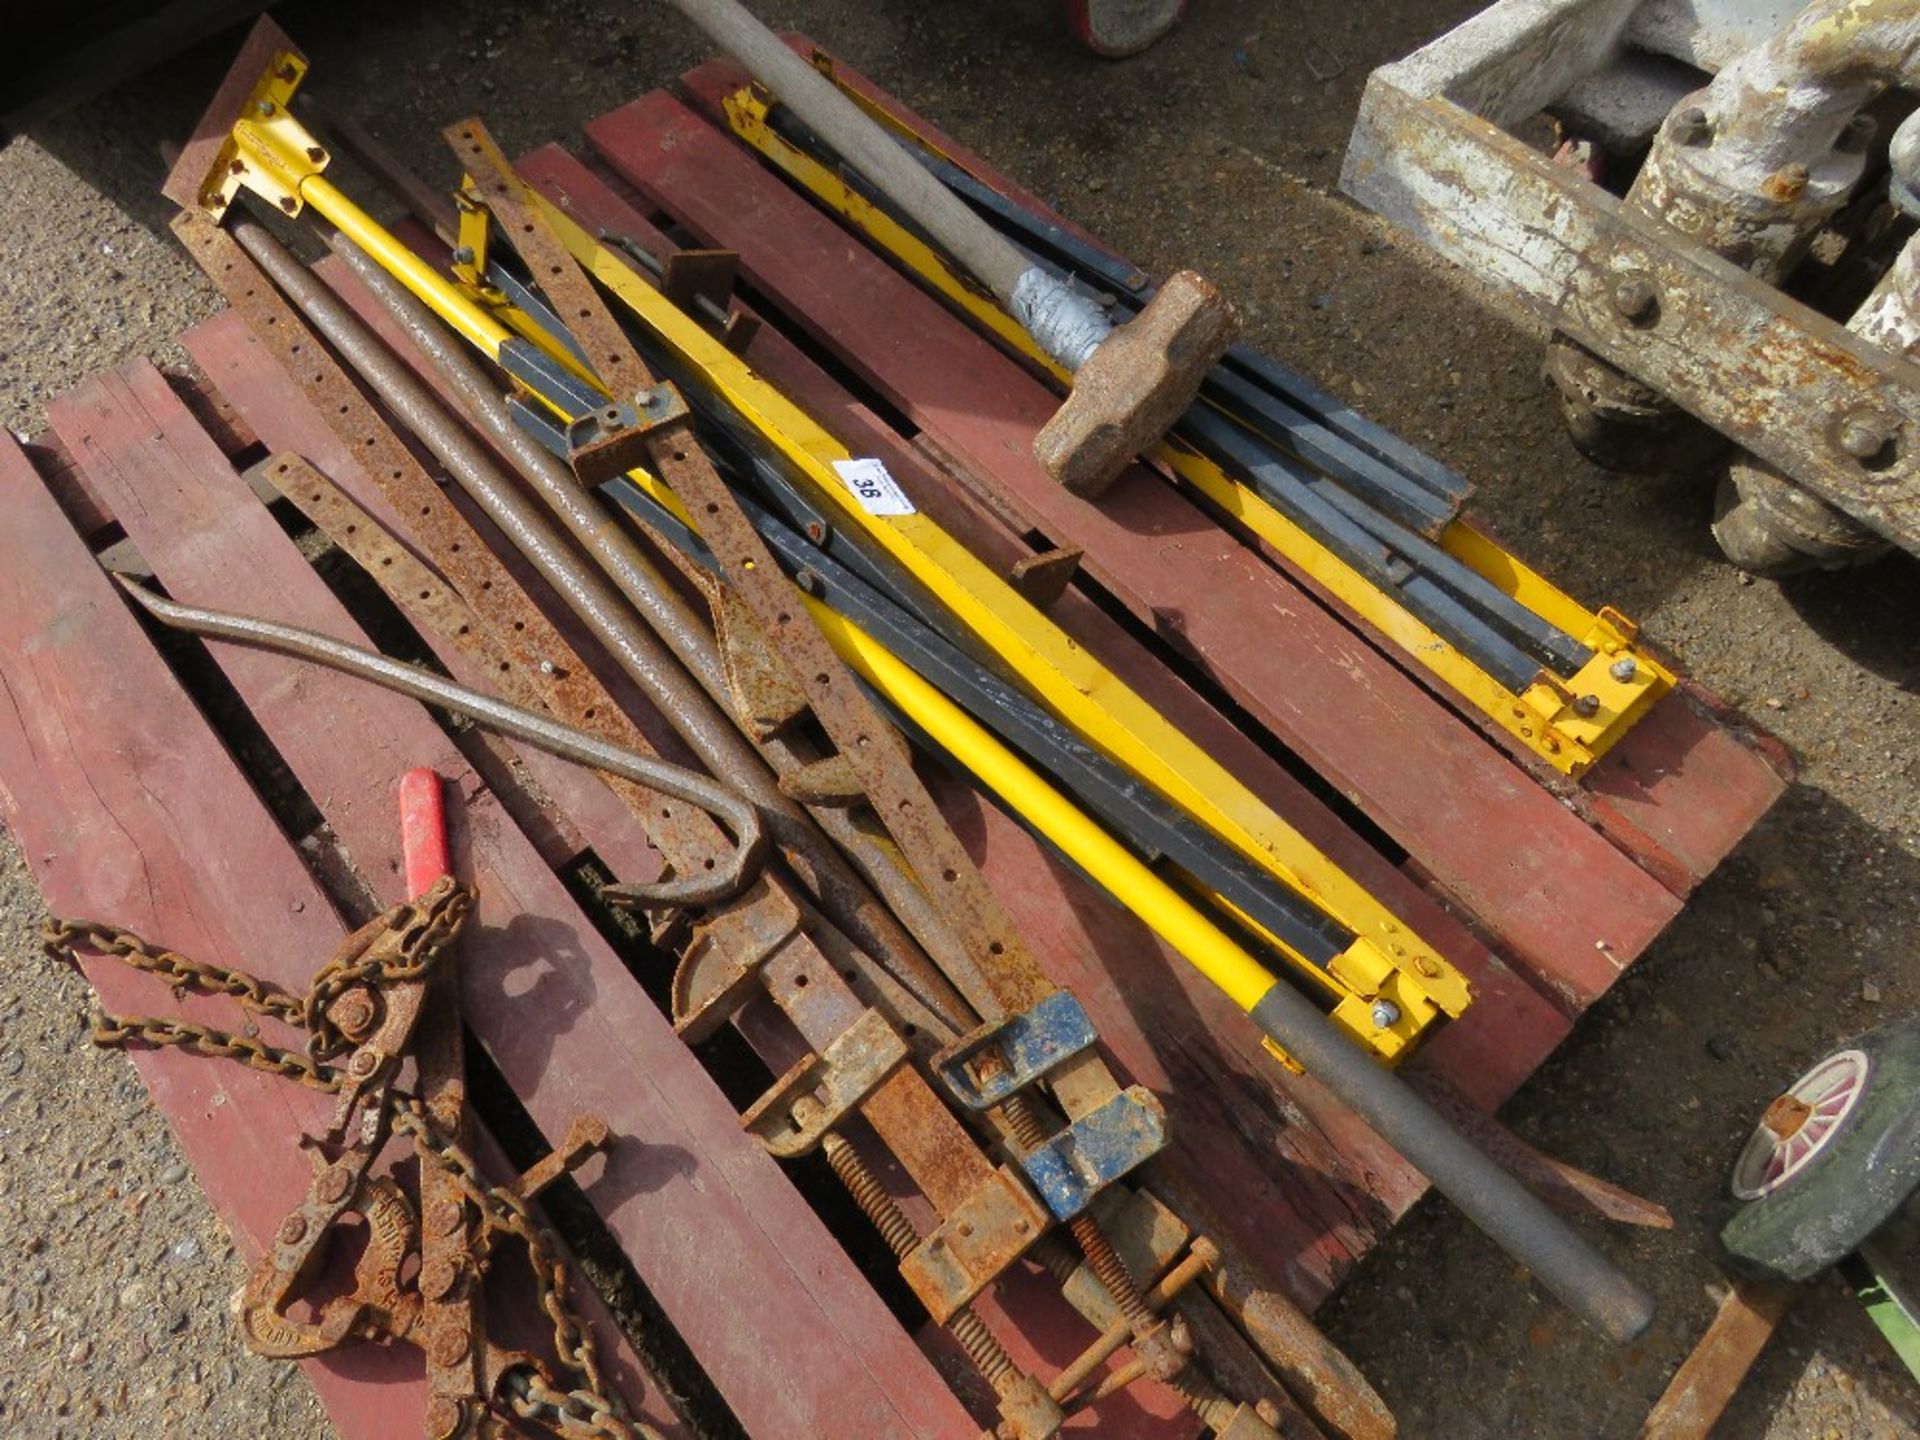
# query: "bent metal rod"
740, 818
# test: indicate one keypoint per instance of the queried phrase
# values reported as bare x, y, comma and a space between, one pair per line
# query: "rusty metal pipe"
732, 810
647, 652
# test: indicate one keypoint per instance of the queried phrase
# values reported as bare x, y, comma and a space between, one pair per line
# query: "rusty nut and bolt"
1866, 434
1635, 298
353, 1012
1586, 706
1788, 183
292, 1230
334, 1185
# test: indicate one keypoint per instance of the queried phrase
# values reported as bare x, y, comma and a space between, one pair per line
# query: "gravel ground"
1220, 149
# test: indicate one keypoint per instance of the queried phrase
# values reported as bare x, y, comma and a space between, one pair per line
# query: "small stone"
80, 1353
184, 1250
1097, 183
1869, 992
39, 1275
1722, 1046
173, 1174
12, 1063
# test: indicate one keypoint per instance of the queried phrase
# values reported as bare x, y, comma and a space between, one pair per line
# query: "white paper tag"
877, 491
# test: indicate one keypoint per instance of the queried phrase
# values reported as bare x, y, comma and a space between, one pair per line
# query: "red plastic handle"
423, 831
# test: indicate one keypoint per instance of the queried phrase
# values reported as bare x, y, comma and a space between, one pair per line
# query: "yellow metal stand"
1567, 723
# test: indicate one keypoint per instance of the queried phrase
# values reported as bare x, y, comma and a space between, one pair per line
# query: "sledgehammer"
1129, 383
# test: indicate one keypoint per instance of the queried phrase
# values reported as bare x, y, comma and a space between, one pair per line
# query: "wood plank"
1700, 809
240, 367
129, 808
1570, 906
1507, 1032
792, 1336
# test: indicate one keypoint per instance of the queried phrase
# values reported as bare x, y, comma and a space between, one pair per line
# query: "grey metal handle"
864, 144
1512, 1216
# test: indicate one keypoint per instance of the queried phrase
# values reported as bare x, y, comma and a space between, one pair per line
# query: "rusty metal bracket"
980, 1238
821, 1090
612, 440
713, 981
983, 1068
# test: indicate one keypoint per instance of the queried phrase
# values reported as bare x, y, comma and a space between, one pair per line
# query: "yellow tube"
434, 289
1118, 870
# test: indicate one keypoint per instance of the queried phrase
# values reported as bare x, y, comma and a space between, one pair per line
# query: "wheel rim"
1800, 1124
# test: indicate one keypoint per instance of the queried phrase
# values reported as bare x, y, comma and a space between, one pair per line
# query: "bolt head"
443, 1418
1586, 706
1623, 669
1865, 434
1385, 1014
264, 108
292, 1230
464, 255
1636, 299
363, 1064
334, 1185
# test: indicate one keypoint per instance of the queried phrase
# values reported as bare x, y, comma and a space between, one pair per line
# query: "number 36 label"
877, 491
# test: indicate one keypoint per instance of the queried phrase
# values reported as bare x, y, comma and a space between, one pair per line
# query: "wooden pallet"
132, 804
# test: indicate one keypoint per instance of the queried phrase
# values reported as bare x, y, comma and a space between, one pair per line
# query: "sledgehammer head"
1138, 381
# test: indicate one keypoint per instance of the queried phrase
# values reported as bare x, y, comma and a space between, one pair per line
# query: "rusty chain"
400, 945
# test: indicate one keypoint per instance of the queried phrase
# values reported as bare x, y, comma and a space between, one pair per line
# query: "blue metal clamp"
985, 1066
1096, 1150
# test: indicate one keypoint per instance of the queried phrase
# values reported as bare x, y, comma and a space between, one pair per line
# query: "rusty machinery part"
1765, 523
1124, 396
740, 818
1749, 168
1668, 302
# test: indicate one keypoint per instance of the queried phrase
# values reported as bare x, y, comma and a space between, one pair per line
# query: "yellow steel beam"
1569, 723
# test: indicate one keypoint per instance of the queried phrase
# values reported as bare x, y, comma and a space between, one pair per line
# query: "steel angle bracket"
1087, 697
1096, 1149
819, 1091
1568, 733
985, 1067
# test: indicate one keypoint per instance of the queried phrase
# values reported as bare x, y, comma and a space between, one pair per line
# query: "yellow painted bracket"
1567, 723
1386, 961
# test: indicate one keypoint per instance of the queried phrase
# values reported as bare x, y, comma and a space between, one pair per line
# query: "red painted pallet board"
113, 784
734, 1257
1562, 899
1679, 791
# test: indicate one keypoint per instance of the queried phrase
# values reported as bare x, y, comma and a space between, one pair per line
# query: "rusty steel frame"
1431, 153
